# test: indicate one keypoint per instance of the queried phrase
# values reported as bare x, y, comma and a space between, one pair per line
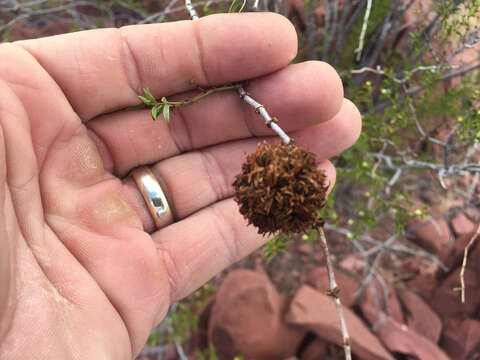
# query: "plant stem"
259, 108
164, 106
333, 292
464, 262
202, 95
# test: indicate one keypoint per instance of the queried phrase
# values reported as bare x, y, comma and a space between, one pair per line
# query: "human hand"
83, 272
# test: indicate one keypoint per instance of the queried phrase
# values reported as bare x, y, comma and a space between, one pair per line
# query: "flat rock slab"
317, 312
400, 338
420, 317
461, 337
432, 234
247, 319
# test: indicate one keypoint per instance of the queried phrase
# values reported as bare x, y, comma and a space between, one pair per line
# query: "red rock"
317, 349
424, 285
474, 253
461, 225
410, 266
400, 339
432, 234
420, 317
461, 337
246, 319
335, 352
374, 296
446, 298
473, 214
317, 312
305, 249
352, 263
422, 7
318, 279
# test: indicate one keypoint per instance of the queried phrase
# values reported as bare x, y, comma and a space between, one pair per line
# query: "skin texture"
83, 273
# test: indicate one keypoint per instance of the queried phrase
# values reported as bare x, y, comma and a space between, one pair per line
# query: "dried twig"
364, 31
191, 11
259, 108
464, 262
333, 292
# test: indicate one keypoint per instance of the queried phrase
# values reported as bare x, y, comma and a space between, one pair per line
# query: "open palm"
83, 272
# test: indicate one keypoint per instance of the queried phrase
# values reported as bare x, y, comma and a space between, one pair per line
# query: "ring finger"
197, 179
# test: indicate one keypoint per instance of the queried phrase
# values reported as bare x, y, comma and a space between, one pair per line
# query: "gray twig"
334, 291
464, 262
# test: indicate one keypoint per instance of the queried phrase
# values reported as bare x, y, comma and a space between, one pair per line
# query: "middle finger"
197, 179
300, 95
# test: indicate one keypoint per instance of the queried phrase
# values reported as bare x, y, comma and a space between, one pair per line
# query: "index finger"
106, 69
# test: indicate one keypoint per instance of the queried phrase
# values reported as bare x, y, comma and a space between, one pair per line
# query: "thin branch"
159, 16
180, 351
375, 263
191, 10
331, 34
364, 31
346, 29
413, 91
204, 94
259, 108
458, 73
464, 262
311, 31
473, 186
377, 42
333, 292
326, 27
65, 7
418, 164
381, 245
378, 70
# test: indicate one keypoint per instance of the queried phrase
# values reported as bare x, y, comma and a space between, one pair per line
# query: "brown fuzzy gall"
281, 188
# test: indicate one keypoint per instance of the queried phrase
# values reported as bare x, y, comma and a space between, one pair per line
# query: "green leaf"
276, 245
237, 6
149, 95
155, 111
144, 100
166, 112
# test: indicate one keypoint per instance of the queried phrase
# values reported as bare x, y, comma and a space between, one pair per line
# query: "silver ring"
153, 195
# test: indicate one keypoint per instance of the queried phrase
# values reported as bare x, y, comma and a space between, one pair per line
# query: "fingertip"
288, 34
265, 41
330, 172
330, 87
332, 137
356, 120
322, 90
